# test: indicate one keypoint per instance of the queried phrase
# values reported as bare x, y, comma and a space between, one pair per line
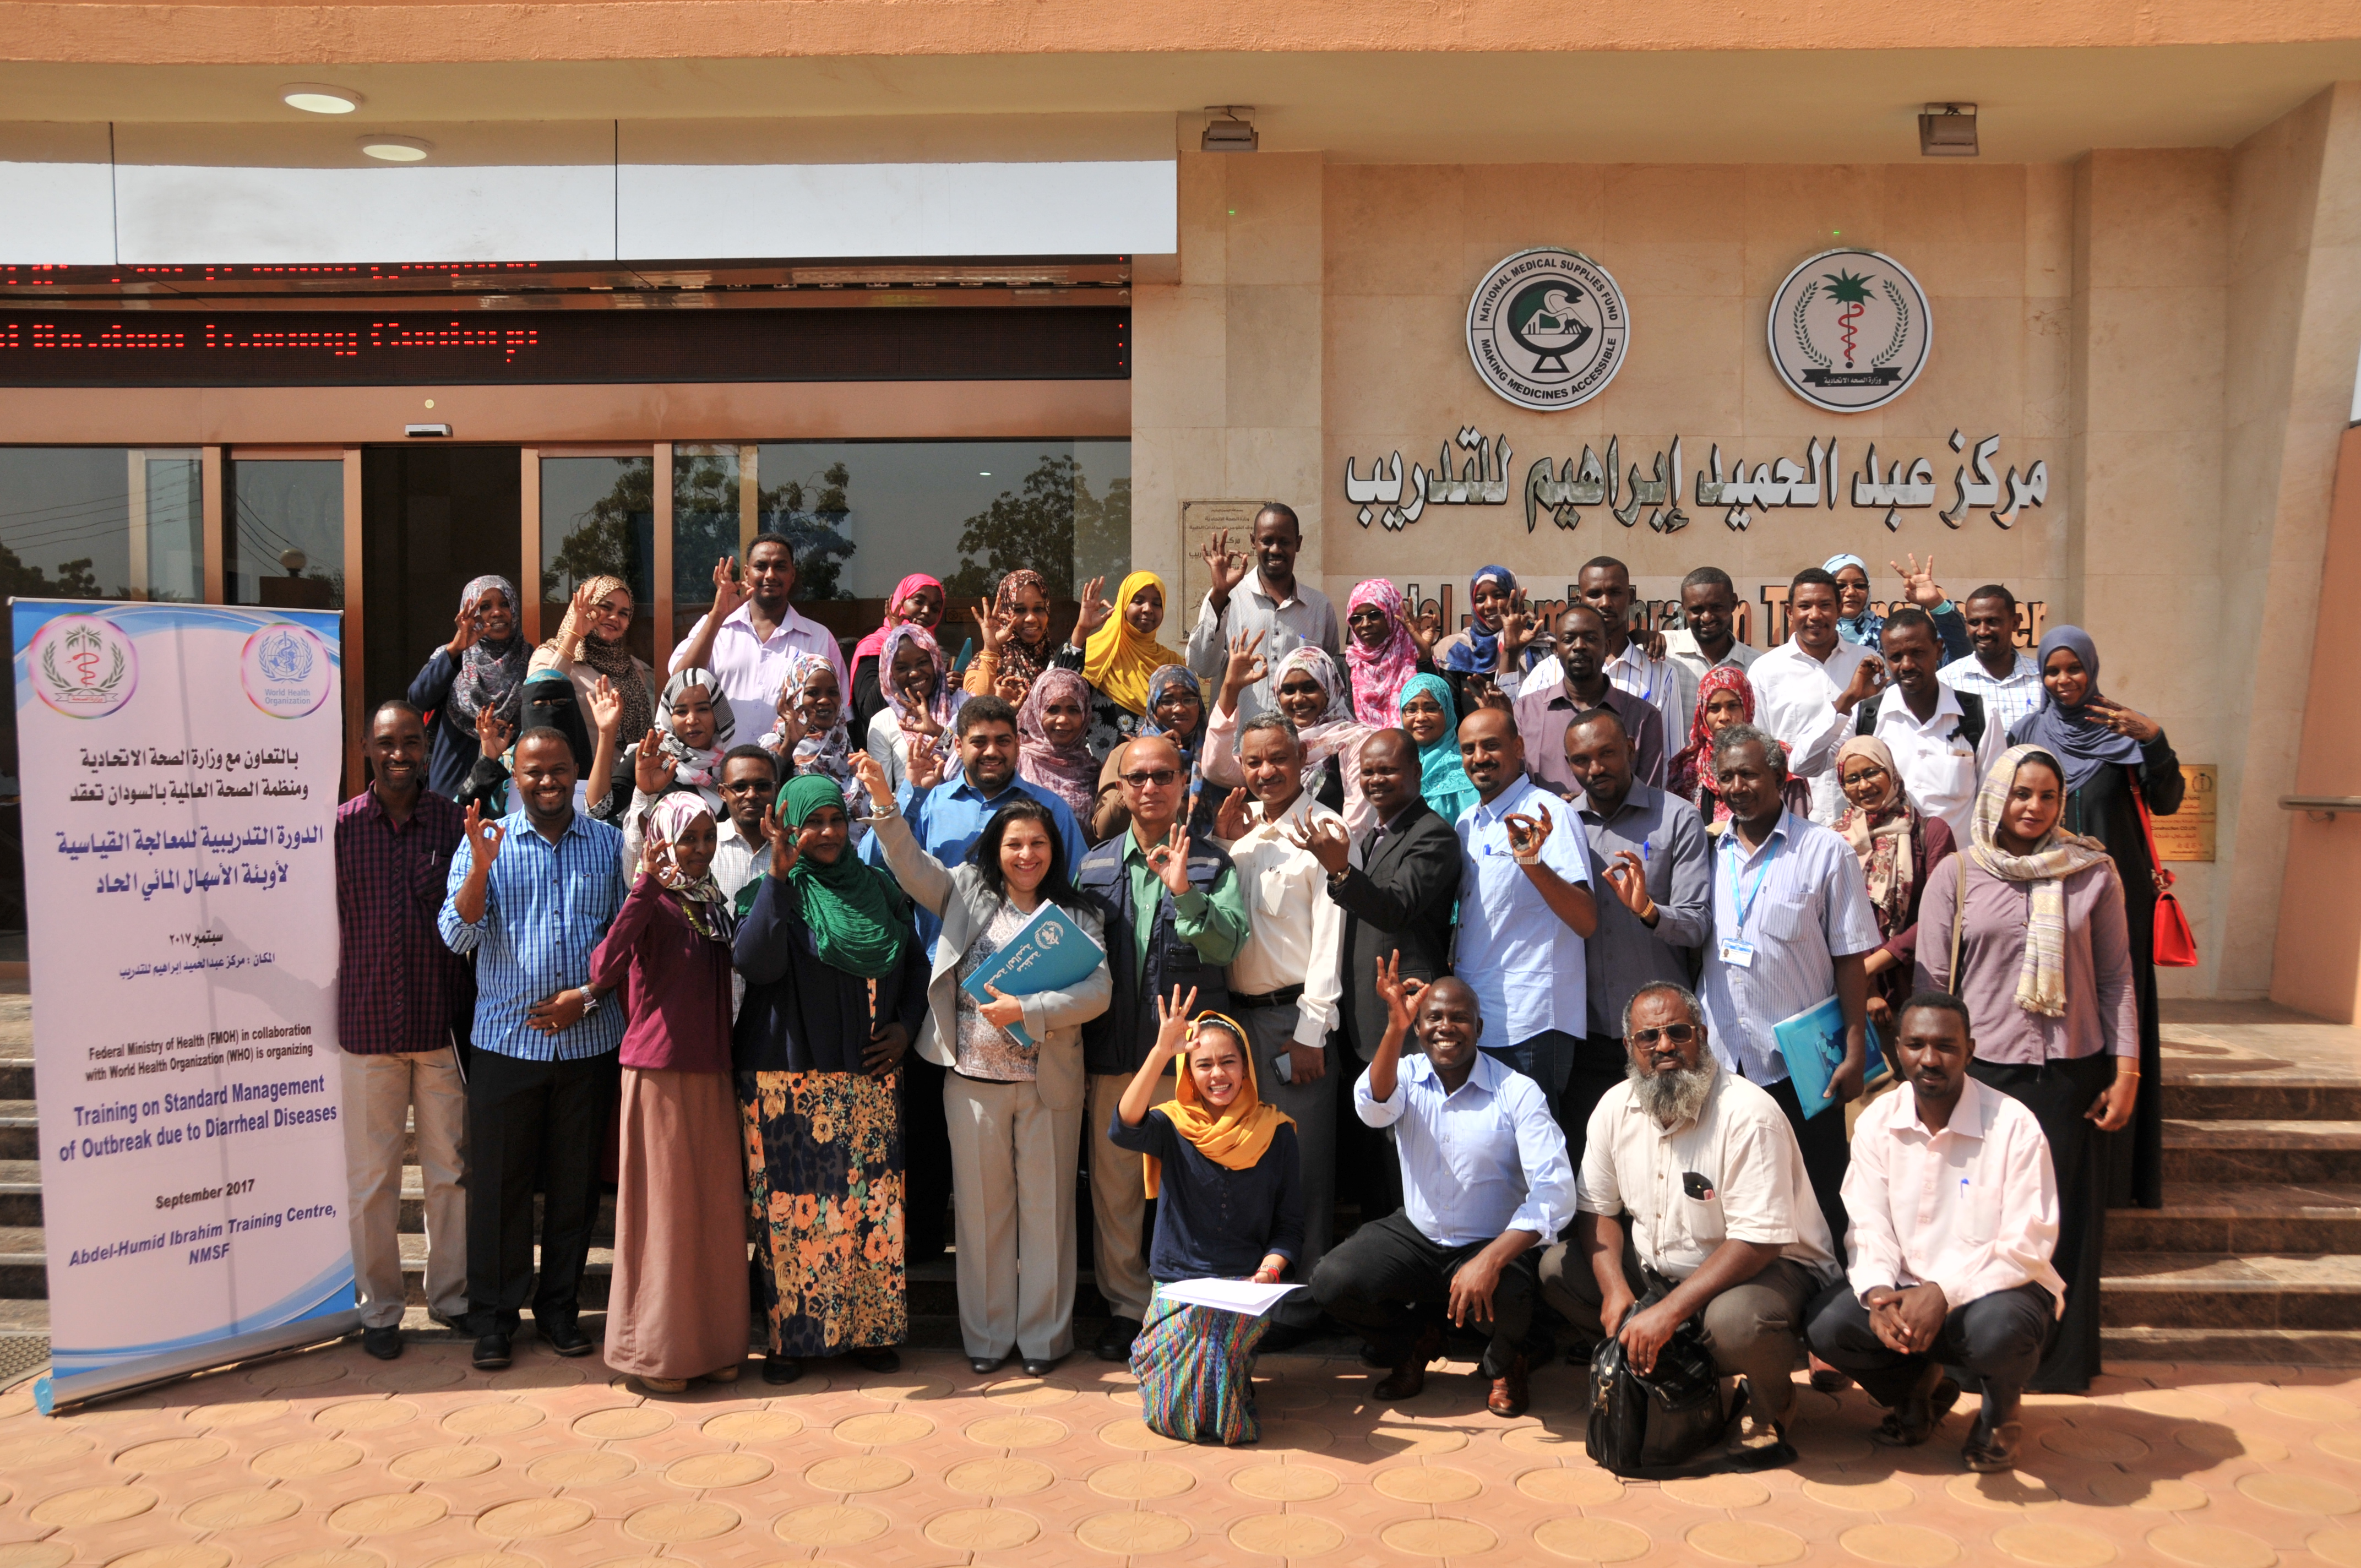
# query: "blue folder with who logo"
1051, 953
1813, 1041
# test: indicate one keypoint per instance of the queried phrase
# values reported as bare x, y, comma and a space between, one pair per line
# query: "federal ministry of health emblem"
1548, 328
84, 665
1850, 329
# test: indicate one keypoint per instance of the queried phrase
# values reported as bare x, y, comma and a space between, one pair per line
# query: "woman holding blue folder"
1015, 1104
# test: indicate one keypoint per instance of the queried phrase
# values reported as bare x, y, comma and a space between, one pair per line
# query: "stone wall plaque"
1200, 520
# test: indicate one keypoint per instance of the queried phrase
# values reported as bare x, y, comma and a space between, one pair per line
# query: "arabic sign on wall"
1850, 329
1548, 328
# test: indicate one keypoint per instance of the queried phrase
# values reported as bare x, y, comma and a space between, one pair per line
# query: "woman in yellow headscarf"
1122, 651
1227, 1174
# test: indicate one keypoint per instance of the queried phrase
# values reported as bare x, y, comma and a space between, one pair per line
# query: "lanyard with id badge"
1735, 951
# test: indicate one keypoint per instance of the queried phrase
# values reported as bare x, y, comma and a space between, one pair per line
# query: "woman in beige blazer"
1015, 1111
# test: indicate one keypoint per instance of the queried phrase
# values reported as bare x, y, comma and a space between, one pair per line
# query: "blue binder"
1813, 1042
1051, 953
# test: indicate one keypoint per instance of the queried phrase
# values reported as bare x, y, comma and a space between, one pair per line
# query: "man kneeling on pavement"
1691, 1182
1954, 1216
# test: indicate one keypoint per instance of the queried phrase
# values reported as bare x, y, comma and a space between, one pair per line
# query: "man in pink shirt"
1953, 1214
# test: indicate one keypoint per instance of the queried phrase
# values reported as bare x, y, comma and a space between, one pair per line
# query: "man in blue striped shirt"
531, 895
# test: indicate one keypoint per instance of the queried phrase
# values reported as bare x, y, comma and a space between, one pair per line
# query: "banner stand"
260, 1346
178, 768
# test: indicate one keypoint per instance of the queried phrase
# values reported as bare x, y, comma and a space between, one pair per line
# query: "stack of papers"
1228, 1295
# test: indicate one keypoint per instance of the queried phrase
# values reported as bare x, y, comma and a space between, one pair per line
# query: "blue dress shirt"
1487, 1159
947, 820
1800, 901
545, 908
1524, 964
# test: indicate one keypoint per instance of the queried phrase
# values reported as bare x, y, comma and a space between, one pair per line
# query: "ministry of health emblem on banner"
83, 666
1850, 329
1548, 328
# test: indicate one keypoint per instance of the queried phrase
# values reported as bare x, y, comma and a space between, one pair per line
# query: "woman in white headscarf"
480, 671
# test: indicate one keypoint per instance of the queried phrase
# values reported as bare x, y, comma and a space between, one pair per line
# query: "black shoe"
1281, 1337
985, 1365
882, 1358
781, 1368
491, 1351
1042, 1366
1371, 1356
385, 1344
1115, 1343
565, 1336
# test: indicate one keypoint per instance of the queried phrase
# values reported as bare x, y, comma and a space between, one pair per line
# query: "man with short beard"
1721, 1214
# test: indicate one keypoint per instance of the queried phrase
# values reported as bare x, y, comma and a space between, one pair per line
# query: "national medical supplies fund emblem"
1548, 328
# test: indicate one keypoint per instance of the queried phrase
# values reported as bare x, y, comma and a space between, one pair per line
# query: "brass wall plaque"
1200, 520
2188, 833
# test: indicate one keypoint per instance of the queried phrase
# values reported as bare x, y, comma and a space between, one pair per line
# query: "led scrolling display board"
331, 348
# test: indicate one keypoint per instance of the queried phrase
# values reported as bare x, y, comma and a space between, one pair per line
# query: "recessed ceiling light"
396, 149
984, 473
315, 98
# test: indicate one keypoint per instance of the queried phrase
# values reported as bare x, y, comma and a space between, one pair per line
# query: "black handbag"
1656, 1425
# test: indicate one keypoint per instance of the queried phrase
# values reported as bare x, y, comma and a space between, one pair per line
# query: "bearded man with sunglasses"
1692, 1188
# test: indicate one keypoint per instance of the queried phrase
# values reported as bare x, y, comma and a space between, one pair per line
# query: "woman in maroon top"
678, 1305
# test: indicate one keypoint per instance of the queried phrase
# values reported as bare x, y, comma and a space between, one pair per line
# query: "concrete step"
2262, 1152
20, 1193
2231, 1347
20, 1130
16, 1076
2243, 1217
2286, 1096
2211, 1290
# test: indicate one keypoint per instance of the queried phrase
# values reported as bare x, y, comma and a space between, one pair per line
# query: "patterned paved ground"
331, 1460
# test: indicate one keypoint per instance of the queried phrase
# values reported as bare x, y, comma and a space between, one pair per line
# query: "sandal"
665, 1384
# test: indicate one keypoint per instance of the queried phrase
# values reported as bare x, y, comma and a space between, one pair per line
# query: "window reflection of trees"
1054, 524
612, 537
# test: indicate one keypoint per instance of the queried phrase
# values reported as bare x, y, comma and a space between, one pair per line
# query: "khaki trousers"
379, 1092
1119, 1202
1013, 1197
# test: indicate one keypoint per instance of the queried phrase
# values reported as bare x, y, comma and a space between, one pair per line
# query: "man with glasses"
1174, 917
1721, 1216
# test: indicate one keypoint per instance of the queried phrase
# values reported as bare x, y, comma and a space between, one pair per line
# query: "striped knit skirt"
1195, 1366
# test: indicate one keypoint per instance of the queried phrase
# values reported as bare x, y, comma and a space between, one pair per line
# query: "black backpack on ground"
1672, 1422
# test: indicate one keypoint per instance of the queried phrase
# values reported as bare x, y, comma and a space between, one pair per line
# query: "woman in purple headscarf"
2115, 759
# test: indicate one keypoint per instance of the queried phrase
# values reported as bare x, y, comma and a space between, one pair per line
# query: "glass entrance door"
434, 517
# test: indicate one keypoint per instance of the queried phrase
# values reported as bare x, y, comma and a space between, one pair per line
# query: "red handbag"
2176, 944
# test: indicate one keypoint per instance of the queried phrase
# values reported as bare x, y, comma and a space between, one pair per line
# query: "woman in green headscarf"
836, 987
1431, 719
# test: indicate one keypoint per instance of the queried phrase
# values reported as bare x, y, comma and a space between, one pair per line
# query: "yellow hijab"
1235, 1138
1117, 660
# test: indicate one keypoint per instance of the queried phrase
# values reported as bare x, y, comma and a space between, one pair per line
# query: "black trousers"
1601, 1062
1368, 1169
1998, 1336
529, 1119
926, 1159
1391, 1282
1826, 1154
2058, 1092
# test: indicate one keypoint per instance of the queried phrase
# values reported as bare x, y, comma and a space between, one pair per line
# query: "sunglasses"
1145, 780
1671, 1034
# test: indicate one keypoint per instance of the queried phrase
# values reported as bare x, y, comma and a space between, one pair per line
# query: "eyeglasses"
1862, 775
1147, 780
1671, 1034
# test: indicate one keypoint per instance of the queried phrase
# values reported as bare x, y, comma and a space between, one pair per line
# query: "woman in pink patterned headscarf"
1380, 650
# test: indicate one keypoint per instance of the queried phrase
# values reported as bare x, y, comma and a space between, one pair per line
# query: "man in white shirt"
1485, 1183
1954, 1214
1605, 585
1806, 689
1942, 740
1995, 668
1707, 637
1525, 907
1285, 982
1721, 1211
747, 636
1288, 613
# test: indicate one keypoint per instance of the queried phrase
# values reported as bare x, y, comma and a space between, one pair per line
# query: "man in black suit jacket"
1398, 899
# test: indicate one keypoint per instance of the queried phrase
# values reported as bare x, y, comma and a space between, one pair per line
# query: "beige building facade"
2147, 283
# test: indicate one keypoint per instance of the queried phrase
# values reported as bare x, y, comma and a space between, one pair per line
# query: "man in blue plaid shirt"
531, 895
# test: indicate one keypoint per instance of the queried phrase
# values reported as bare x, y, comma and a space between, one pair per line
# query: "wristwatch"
590, 1000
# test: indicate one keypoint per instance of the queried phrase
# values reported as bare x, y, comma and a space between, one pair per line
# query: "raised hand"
2124, 720
1399, 995
469, 627
1094, 612
493, 733
1245, 667
655, 857
1224, 568
994, 628
651, 770
792, 729
1868, 679
1919, 587
1010, 688
926, 768
729, 593
1425, 629
784, 850
605, 705
1325, 838
1230, 822
584, 610
1172, 1028
1170, 861
1517, 626
871, 774
1629, 877
483, 837
1528, 834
